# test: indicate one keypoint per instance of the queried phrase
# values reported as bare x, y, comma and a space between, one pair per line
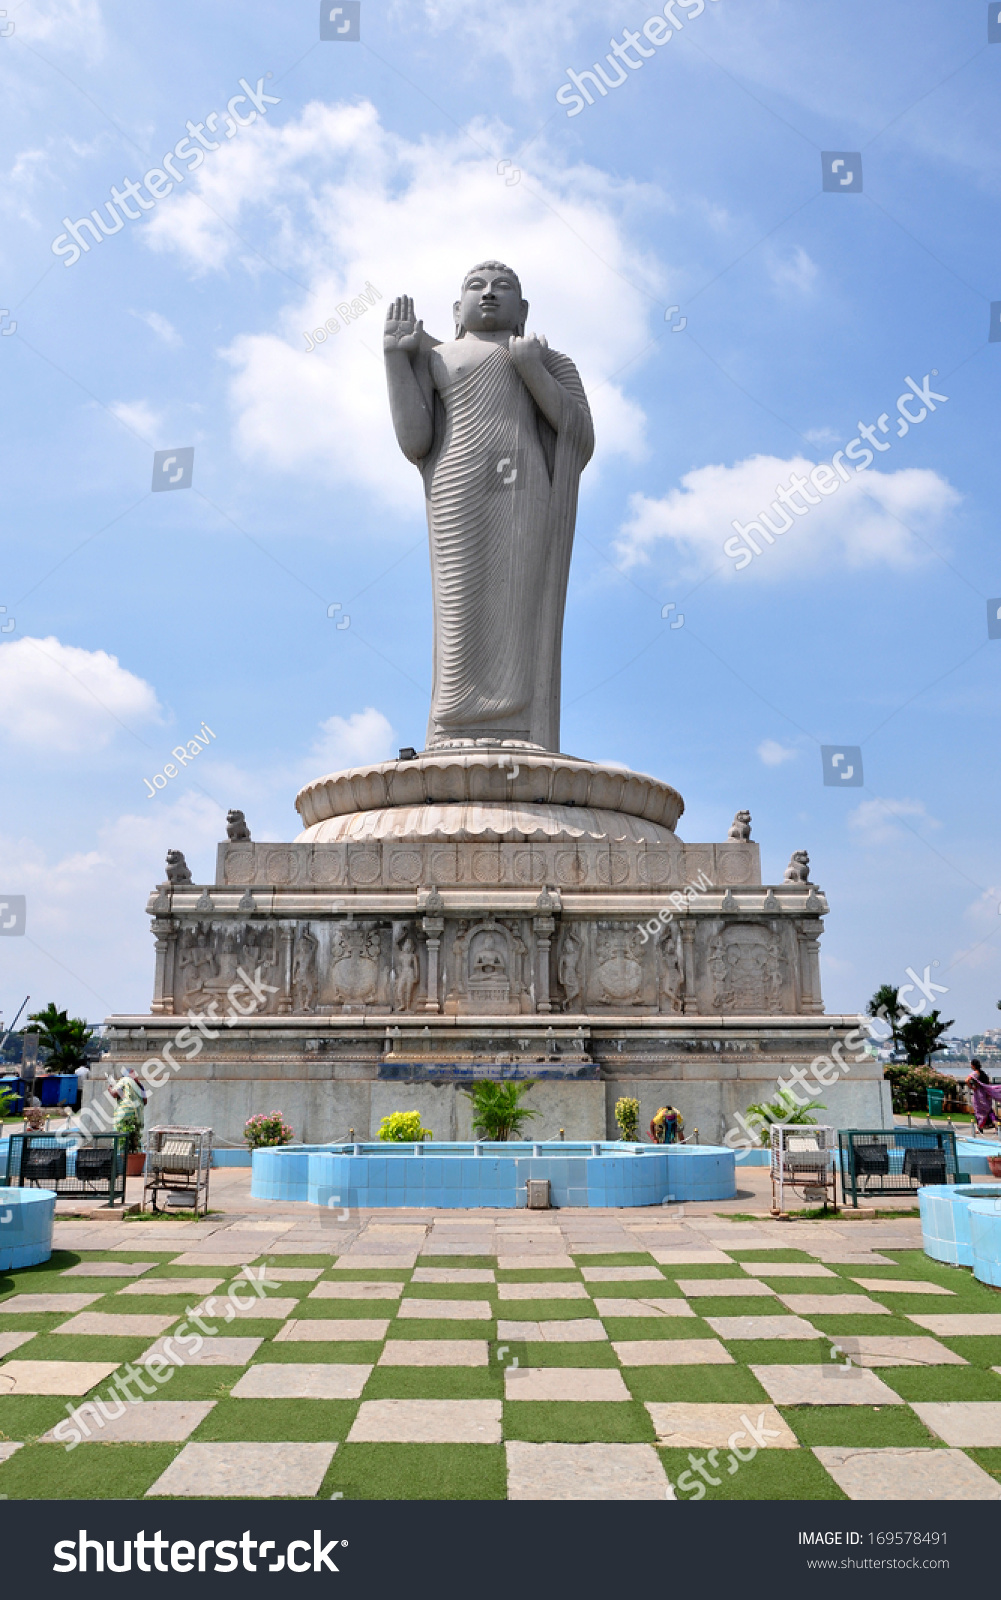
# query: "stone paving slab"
117, 1325
833, 1305
584, 1472
214, 1258
141, 1421
108, 1269
214, 1352
434, 1353
427, 1422
374, 1263
762, 1328
824, 1386
246, 1471
355, 1289
912, 1473
902, 1286
33, 1305
447, 1310
7, 1450
685, 1425
319, 1330
301, 1381
972, 1424
836, 1257
957, 1325
620, 1274
787, 1269
454, 1274
272, 1274
278, 1307
564, 1383
533, 1263
672, 1353
691, 1258
9, 1342
660, 1306
191, 1286
723, 1288
897, 1350
585, 1331
542, 1291
53, 1377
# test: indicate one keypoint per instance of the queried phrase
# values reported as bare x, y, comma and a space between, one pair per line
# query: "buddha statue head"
490, 302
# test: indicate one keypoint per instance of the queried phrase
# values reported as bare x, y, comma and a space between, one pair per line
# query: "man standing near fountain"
500, 428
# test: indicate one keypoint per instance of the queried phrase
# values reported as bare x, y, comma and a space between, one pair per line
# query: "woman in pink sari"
983, 1093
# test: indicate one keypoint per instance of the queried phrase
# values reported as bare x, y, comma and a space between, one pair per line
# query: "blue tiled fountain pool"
468, 1175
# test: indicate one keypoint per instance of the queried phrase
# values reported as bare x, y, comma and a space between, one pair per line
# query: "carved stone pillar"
434, 927
808, 938
691, 1000
544, 927
287, 934
165, 934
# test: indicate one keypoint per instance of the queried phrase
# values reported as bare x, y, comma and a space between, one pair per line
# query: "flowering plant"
267, 1128
403, 1127
627, 1115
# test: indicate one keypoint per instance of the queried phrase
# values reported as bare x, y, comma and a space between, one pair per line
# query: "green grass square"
342, 1352
417, 1472
448, 1291
942, 1383
90, 1472
771, 1475
647, 1288
194, 1383
344, 1310
23, 1417
736, 1385
989, 1459
83, 1347
621, 1258
871, 1324
280, 1420
441, 1328
779, 1352
578, 1422
626, 1329
543, 1354
546, 1311
435, 1383
721, 1305
768, 1256
539, 1275
705, 1269
979, 1349
356, 1274
879, 1426
483, 1262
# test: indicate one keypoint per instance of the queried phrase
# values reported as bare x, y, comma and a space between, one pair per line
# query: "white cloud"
797, 271
60, 698
161, 327
773, 754
75, 27
873, 821
353, 741
983, 915
138, 416
862, 524
329, 196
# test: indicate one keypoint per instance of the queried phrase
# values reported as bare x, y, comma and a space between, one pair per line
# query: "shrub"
267, 1128
404, 1127
909, 1087
782, 1107
497, 1113
627, 1115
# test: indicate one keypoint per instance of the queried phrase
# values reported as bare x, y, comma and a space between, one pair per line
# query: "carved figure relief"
740, 827
798, 870
354, 966
209, 960
304, 972
672, 971
569, 970
747, 969
178, 870
236, 826
408, 974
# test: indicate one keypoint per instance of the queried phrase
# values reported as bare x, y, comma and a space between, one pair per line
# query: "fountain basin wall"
945, 1219
469, 1175
25, 1227
985, 1235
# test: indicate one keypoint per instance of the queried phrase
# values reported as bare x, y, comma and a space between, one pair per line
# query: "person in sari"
984, 1095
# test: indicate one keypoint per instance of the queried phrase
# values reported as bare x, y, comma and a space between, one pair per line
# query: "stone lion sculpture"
740, 827
236, 826
178, 870
798, 870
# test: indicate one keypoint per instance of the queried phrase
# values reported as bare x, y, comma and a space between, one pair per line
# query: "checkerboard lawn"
598, 1381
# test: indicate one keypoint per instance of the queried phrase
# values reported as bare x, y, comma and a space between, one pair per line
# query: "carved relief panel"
206, 962
748, 969
488, 968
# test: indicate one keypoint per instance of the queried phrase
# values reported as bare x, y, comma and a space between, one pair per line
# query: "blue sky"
381, 168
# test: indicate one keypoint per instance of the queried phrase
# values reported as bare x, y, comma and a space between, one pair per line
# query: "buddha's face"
491, 302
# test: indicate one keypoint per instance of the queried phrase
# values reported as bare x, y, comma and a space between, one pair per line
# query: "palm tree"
782, 1108
65, 1038
885, 1004
920, 1037
497, 1113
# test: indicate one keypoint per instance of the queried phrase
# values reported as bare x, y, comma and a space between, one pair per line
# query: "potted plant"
994, 1166
404, 1127
497, 1112
267, 1128
627, 1115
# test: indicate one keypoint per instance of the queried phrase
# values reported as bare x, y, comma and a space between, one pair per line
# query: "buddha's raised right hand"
402, 332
